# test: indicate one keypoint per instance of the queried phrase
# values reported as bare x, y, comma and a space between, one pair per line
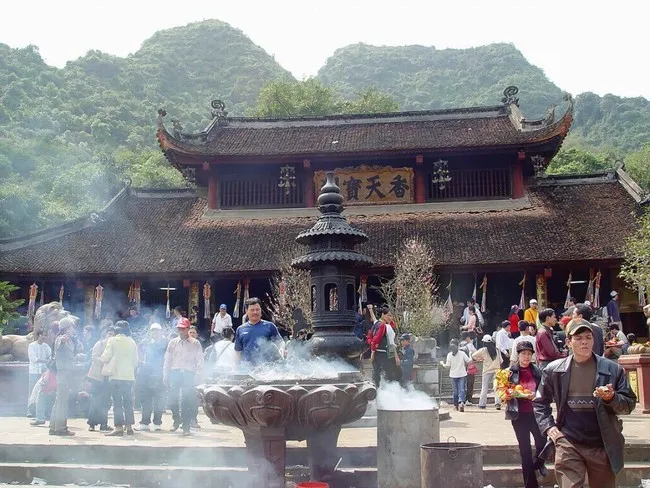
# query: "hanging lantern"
99, 296
539, 165
522, 299
596, 303
235, 310
484, 294
42, 295
540, 283
136, 293
246, 291
440, 175
168, 310
207, 293
568, 292
31, 307
61, 292
589, 296
193, 302
287, 178
474, 290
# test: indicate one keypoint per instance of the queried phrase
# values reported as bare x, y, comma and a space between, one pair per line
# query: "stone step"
164, 456
499, 476
220, 457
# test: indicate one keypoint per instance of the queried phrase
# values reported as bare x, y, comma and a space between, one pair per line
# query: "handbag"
108, 369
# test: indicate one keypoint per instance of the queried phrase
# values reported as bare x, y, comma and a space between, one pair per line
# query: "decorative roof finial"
510, 96
219, 112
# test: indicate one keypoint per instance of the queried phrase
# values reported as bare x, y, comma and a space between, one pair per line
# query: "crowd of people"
566, 362
131, 371
569, 362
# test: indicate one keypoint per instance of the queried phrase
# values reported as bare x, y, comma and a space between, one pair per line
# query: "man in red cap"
182, 371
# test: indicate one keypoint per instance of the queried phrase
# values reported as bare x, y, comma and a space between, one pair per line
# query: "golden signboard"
634, 382
363, 185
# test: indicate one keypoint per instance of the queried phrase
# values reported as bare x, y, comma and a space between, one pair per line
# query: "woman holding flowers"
518, 390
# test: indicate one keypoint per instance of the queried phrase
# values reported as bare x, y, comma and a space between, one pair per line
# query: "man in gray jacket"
589, 392
65, 361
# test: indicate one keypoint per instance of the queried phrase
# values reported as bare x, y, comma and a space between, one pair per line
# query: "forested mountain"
68, 137
420, 77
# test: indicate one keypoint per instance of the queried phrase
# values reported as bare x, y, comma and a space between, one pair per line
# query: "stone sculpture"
14, 347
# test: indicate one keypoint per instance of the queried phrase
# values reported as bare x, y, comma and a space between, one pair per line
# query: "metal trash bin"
457, 464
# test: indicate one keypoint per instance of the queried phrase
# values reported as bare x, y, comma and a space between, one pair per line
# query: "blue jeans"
33, 379
458, 386
44, 406
122, 394
182, 397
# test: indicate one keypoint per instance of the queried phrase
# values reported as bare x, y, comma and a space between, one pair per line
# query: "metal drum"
457, 464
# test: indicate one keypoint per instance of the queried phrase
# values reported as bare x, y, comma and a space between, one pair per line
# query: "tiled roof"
167, 233
367, 134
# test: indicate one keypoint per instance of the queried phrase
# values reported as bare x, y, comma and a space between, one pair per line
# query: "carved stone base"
322, 453
267, 451
271, 414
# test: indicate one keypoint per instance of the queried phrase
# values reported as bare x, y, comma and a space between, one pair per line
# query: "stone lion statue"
14, 347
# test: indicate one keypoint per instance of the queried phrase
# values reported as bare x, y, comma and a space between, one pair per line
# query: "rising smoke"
392, 396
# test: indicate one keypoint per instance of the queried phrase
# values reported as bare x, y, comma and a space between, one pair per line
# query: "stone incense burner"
271, 411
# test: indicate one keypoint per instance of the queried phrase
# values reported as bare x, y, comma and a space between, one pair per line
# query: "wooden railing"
472, 184
259, 193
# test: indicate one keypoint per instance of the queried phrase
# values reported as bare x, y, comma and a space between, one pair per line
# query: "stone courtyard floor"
483, 426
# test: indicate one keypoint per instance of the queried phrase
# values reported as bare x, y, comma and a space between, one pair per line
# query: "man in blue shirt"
257, 341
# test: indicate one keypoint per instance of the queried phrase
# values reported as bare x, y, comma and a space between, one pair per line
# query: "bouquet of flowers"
505, 388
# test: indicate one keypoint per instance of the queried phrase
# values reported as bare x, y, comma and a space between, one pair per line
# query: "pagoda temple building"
471, 182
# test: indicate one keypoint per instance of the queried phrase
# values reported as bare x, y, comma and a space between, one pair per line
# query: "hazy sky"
581, 45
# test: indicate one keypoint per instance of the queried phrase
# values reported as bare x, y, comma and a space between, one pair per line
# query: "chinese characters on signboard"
363, 185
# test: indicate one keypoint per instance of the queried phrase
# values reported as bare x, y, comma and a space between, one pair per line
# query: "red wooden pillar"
420, 180
517, 180
213, 190
308, 183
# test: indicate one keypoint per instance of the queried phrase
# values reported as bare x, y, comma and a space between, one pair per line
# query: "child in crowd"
407, 357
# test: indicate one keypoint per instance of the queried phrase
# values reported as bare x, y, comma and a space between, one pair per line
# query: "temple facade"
471, 182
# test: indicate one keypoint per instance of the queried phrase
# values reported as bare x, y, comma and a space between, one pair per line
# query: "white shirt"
457, 364
522, 338
227, 357
465, 318
503, 341
219, 323
38, 352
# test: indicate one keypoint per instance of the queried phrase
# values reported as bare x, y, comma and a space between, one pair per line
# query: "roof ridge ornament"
161, 115
510, 96
219, 112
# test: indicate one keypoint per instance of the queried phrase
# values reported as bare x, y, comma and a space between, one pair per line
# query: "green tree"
636, 267
288, 98
7, 305
637, 165
575, 160
413, 291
